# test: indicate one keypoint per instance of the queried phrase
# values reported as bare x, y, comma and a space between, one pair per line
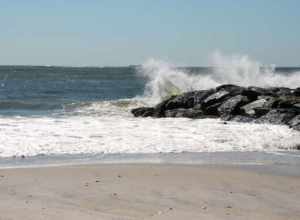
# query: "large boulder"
296, 91
242, 118
186, 113
253, 92
286, 102
277, 116
215, 97
211, 104
230, 107
185, 100
232, 89
258, 107
281, 91
200, 96
295, 122
142, 112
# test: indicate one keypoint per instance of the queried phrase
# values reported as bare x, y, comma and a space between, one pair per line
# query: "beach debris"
204, 207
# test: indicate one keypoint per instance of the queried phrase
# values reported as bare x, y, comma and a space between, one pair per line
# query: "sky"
128, 32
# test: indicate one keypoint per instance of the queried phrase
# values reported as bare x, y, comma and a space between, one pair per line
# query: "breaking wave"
165, 79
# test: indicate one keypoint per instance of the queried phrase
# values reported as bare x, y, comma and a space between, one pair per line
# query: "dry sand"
118, 192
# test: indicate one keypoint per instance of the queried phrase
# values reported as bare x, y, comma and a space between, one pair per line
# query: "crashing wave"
165, 79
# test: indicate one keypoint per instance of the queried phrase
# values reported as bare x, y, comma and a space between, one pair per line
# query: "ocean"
71, 112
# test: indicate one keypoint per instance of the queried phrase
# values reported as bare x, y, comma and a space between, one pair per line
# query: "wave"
26, 105
83, 134
165, 79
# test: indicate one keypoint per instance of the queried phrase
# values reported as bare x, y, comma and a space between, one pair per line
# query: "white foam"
125, 134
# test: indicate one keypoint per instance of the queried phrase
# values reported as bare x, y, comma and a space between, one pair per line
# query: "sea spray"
164, 78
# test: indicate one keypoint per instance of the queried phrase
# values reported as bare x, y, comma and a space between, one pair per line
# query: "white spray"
165, 79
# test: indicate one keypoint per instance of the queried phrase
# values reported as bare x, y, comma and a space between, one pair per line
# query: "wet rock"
253, 92
253, 108
277, 105
232, 89
185, 100
159, 109
142, 112
241, 118
231, 106
296, 91
277, 116
281, 91
187, 113
200, 96
295, 122
286, 102
215, 97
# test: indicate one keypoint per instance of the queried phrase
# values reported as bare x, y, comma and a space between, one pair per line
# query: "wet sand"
147, 191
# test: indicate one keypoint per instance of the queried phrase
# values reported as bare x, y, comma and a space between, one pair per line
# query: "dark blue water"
40, 89
31, 89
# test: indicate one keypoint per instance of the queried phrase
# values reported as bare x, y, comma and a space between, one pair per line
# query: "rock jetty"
275, 105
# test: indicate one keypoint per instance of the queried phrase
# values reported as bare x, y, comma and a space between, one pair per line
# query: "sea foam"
125, 134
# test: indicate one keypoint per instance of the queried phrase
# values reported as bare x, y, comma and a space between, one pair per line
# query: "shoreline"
148, 191
284, 161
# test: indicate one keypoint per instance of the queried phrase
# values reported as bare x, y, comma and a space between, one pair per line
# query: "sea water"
57, 111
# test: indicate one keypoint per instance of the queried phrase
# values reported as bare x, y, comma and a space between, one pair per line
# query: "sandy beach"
142, 191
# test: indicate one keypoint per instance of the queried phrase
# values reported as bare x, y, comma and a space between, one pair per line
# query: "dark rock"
241, 118
297, 105
277, 105
185, 100
295, 122
296, 91
253, 108
231, 106
261, 111
253, 92
232, 89
277, 116
200, 96
212, 109
215, 97
281, 91
159, 110
286, 102
186, 113
142, 112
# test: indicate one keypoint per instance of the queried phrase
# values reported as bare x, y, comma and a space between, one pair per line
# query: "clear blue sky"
111, 32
